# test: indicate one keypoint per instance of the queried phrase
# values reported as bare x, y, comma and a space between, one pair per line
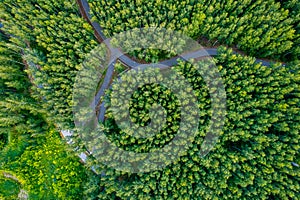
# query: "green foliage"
9, 188
255, 153
20, 116
58, 175
118, 16
294, 13
119, 68
18, 110
150, 55
50, 171
261, 28
142, 112
58, 39
14, 148
3, 140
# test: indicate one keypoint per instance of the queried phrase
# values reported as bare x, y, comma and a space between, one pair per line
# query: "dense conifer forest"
255, 50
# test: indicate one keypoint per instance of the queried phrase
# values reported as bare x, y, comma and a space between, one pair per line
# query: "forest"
47, 48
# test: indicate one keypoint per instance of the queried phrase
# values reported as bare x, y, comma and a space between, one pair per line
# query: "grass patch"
9, 189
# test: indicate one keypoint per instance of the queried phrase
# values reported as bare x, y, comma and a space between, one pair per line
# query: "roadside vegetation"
43, 44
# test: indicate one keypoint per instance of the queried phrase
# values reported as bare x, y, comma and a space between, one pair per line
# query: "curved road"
125, 60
